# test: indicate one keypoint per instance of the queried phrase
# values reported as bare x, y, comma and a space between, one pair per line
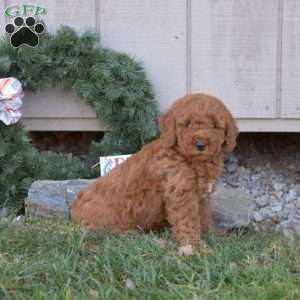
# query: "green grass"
48, 260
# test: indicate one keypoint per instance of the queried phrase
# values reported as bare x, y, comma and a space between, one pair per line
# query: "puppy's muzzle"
200, 145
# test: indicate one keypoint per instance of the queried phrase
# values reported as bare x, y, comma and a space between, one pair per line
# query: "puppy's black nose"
200, 144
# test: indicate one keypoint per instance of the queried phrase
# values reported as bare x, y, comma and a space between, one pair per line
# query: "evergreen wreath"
113, 83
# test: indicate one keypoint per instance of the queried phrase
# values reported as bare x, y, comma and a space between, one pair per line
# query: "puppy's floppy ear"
231, 133
167, 127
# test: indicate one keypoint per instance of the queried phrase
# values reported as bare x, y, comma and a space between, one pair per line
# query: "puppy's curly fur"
169, 181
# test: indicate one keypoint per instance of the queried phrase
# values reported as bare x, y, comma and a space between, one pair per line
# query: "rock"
298, 203
258, 217
277, 208
255, 178
273, 200
19, 219
297, 228
231, 208
278, 186
290, 196
231, 167
232, 180
278, 195
231, 164
243, 171
47, 199
4, 212
297, 216
262, 201
289, 206
266, 212
231, 158
51, 199
284, 214
256, 193
290, 228
295, 187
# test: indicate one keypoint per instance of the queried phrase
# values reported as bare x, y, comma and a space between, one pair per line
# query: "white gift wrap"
11, 94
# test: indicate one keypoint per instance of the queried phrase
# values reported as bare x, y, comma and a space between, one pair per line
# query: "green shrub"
21, 164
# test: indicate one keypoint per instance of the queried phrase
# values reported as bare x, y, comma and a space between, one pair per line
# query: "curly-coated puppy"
169, 181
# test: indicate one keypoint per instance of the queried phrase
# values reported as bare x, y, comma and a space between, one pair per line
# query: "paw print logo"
24, 32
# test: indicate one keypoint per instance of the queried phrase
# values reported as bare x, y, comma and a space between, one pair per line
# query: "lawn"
52, 260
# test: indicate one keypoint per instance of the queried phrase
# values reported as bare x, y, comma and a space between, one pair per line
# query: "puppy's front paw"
186, 250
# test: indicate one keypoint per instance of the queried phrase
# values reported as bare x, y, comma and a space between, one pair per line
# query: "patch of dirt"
74, 142
280, 151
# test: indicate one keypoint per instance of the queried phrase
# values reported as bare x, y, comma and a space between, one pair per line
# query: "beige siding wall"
155, 32
234, 54
2, 18
290, 104
58, 110
247, 52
